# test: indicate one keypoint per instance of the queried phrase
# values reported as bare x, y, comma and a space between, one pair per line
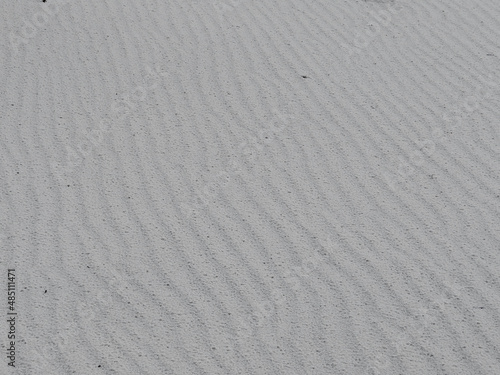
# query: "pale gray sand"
248, 187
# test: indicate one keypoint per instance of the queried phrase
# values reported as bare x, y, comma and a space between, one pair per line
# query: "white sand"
191, 204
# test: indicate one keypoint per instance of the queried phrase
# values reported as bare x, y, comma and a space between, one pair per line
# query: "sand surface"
251, 187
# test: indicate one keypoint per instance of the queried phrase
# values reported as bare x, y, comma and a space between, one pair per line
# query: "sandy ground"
250, 187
